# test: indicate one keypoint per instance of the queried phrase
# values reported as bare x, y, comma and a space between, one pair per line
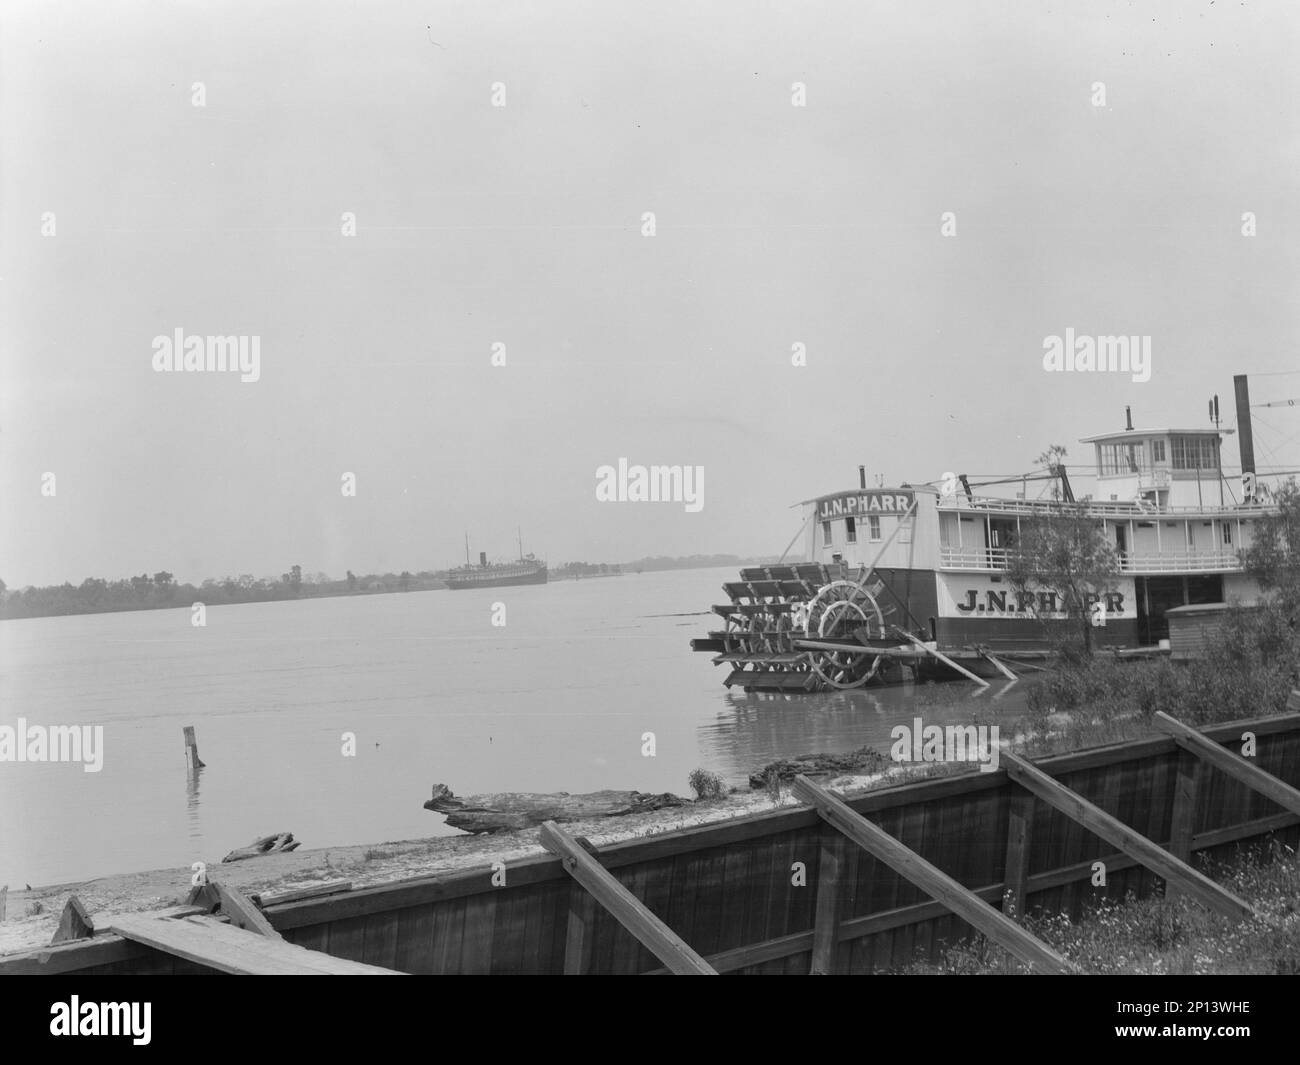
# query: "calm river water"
556, 700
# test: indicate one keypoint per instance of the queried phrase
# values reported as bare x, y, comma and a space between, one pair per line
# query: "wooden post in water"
192, 759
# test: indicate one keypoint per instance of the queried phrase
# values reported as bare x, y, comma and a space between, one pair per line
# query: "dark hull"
761, 640
488, 580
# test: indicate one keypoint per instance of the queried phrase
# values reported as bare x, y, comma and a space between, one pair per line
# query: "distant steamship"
526, 570
917, 575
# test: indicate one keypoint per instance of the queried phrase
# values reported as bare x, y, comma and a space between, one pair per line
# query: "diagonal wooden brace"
630, 911
1119, 835
932, 880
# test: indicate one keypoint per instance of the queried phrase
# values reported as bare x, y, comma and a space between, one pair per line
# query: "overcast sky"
522, 225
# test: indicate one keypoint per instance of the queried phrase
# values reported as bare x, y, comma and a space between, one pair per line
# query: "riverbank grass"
1159, 936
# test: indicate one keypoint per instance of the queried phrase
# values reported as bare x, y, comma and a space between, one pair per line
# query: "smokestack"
1244, 436
862, 476
482, 558
1128, 419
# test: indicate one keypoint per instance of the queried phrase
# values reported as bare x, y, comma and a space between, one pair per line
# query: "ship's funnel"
482, 558
1244, 436
1128, 418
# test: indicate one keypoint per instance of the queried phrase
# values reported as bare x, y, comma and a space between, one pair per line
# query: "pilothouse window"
1122, 458
1195, 453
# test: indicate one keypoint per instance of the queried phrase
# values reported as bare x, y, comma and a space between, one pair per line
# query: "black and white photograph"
687, 487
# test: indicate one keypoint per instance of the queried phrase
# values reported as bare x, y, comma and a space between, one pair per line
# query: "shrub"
374, 854
1249, 671
707, 785
772, 783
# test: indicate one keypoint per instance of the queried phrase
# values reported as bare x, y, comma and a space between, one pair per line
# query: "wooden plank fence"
866, 884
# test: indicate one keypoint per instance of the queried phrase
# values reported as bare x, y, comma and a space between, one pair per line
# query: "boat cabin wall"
1155, 536
1146, 541
852, 527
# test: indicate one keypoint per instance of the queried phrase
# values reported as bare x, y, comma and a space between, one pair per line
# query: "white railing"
1092, 507
1181, 562
996, 558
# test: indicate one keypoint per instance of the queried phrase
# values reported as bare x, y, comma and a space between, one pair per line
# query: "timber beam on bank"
942, 657
217, 945
998, 664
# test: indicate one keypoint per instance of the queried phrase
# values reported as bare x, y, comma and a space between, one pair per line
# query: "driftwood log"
812, 765
276, 844
512, 810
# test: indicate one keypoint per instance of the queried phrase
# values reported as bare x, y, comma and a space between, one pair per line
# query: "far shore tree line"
95, 595
585, 569
159, 591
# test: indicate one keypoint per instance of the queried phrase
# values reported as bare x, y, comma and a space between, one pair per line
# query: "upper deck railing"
994, 559
1092, 507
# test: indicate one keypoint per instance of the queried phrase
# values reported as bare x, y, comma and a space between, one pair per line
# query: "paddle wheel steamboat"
912, 581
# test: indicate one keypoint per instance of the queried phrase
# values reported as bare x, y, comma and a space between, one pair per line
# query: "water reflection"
192, 774
755, 728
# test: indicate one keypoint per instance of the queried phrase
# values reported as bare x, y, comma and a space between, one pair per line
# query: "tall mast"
467, 548
520, 533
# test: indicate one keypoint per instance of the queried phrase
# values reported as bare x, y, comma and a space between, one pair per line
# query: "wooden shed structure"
1194, 629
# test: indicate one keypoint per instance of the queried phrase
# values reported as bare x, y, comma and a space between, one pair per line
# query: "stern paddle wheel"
800, 628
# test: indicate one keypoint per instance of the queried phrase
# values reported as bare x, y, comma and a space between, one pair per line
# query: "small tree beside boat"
1062, 559
1273, 560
